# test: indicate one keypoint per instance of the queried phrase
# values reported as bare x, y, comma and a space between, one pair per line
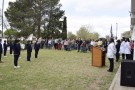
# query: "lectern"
98, 57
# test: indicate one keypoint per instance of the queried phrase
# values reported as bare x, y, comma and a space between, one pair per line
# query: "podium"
98, 57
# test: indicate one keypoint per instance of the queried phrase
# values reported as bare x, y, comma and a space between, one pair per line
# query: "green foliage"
126, 34
55, 70
64, 32
70, 35
86, 33
40, 17
10, 32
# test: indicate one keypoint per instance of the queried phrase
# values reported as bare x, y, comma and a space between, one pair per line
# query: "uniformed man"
11, 48
36, 47
5, 48
0, 51
16, 53
29, 50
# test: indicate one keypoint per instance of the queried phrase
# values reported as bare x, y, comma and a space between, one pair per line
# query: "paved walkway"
116, 83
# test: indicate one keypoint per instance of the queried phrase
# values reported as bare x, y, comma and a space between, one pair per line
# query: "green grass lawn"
55, 70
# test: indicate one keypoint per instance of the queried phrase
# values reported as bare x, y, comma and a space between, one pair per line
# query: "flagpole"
2, 16
116, 29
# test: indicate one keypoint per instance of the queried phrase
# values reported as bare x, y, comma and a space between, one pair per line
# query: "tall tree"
64, 32
85, 32
34, 16
70, 35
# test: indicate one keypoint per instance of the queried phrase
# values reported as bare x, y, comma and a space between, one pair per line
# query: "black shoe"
109, 71
1, 62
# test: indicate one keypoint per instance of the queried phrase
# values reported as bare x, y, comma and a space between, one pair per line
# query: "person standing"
11, 48
5, 48
132, 49
29, 50
16, 53
111, 50
127, 49
117, 50
0, 51
122, 48
79, 42
36, 47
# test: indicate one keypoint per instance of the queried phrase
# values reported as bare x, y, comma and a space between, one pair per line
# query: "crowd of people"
113, 48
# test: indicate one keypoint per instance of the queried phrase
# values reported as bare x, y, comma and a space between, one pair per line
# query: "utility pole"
2, 17
116, 29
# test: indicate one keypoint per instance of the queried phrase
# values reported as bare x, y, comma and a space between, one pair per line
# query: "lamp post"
2, 16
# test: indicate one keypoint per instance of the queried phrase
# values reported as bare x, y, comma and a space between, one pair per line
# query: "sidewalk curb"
115, 79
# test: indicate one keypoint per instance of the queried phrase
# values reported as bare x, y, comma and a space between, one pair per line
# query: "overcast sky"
99, 14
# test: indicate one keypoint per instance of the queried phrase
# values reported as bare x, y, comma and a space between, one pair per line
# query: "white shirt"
122, 47
127, 48
111, 50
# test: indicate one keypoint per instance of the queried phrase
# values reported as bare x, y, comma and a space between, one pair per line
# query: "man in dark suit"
0, 51
16, 53
29, 50
11, 48
36, 47
5, 48
79, 42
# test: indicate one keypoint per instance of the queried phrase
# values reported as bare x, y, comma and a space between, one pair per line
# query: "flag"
111, 32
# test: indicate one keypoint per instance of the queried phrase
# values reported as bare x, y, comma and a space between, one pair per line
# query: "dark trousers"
128, 57
78, 48
0, 57
16, 60
132, 53
123, 56
36, 53
111, 64
10, 51
28, 56
56, 45
5, 51
117, 56
65, 47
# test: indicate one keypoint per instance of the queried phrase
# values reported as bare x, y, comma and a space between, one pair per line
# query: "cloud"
99, 14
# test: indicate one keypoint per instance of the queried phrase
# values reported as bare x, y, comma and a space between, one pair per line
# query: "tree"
34, 16
64, 31
10, 33
126, 34
94, 35
85, 32
70, 35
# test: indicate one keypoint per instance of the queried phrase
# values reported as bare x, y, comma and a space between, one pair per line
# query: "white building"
133, 23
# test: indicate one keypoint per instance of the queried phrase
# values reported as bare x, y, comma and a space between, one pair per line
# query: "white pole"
133, 37
134, 49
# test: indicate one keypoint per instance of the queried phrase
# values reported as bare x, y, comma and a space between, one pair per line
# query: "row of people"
17, 50
115, 49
